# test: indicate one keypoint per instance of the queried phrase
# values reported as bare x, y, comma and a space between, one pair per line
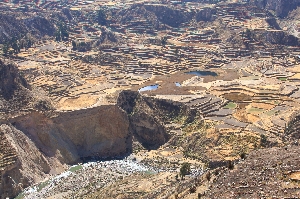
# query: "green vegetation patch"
42, 185
196, 125
75, 168
255, 110
250, 78
192, 155
271, 112
149, 172
185, 169
276, 102
282, 78
230, 105
20, 196
238, 143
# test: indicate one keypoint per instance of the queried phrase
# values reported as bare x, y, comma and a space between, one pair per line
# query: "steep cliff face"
280, 7
40, 26
10, 80
127, 100
13, 26
159, 16
148, 116
16, 25
170, 17
129, 15
16, 95
147, 128
21, 162
277, 37
101, 131
34, 144
10, 27
206, 14
292, 130
145, 124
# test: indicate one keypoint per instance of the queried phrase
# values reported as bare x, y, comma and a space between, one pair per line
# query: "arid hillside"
149, 99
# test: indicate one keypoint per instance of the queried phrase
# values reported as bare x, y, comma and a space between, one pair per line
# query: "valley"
110, 99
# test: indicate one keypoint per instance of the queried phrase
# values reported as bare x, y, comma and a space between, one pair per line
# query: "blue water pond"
202, 73
177, 84
149, 88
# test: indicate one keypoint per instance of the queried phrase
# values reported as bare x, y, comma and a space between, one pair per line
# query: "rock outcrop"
10, 80
34, 144
38, 143
274, 37
265, 173
16, 95
145, 124
102, 131
280, 7
148, 116
160, 16
147, 129
169, 16
206, 14
278, 37
14, 25
39, 25
21, 162
292, 132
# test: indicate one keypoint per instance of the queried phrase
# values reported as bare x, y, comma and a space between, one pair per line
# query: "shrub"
192, 189
185, 169
263, 140
243, 155
200, 195
230, 165
208, 176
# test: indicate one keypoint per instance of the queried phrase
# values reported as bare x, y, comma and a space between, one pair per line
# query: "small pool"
202, 73
177, 84
149, 88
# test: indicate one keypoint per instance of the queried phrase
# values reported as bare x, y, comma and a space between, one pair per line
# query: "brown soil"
264, 174
237, 97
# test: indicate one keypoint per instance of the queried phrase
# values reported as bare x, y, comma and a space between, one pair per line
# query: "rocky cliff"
14, 25
69, 136
206, 14
36, 144
10, 80
145, 124
159, 16
281, 8
292, 129
169, 16
21, 162
16, 95
148, 116
31, 26
277, 37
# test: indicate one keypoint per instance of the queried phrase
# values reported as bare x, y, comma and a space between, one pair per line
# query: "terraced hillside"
149, 99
